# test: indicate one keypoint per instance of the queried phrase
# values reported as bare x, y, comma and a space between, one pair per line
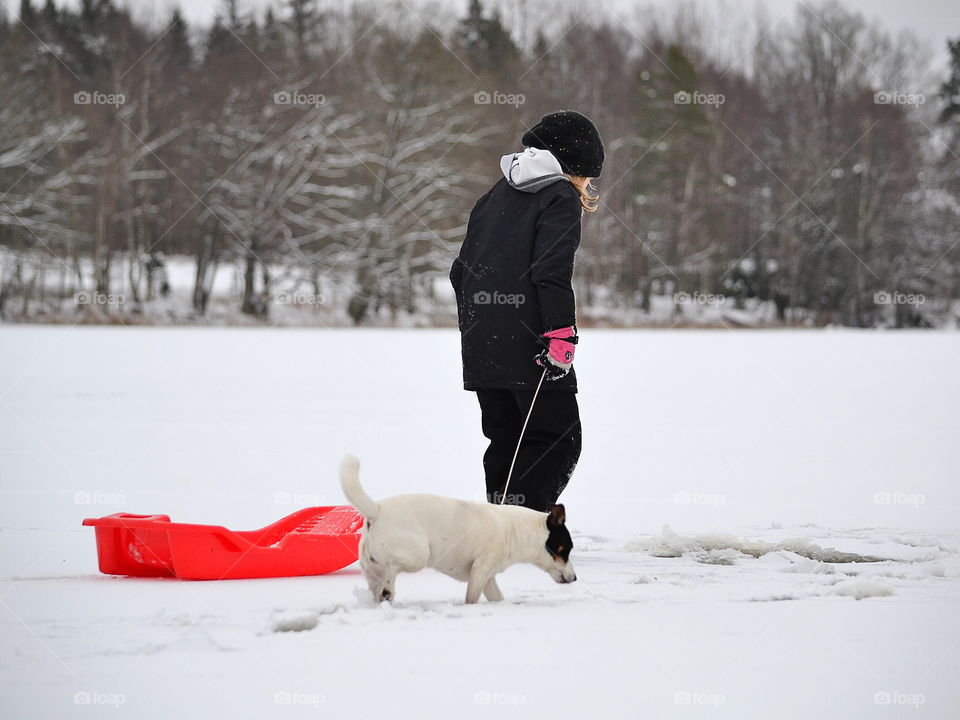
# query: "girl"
516, 307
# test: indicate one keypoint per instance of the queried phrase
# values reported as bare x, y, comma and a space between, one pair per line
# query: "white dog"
469, 541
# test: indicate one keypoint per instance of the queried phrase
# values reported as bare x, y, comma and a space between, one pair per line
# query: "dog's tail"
350, 482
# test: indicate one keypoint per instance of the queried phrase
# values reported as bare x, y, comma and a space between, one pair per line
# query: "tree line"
323, 146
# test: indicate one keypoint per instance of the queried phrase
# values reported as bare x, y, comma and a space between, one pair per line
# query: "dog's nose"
573, 579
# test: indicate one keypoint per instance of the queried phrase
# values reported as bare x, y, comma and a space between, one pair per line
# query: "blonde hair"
588, 201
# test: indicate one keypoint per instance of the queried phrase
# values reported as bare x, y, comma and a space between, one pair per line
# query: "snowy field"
808, 482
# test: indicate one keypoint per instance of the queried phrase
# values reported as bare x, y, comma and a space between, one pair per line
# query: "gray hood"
531, 170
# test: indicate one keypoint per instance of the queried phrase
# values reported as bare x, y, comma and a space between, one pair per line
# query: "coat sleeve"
458, 267
551, 271
456, 279
460, 263
456, 275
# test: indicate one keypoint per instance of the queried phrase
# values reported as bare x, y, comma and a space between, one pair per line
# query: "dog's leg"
375, 582
389, 583
479, 576
492, 591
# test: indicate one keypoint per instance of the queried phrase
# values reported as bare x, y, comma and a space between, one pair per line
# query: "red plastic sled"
312, 541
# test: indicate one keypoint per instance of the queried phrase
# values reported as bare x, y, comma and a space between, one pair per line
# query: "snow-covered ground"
808, 482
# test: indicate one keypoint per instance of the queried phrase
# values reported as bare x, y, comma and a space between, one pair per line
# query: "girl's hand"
557, 356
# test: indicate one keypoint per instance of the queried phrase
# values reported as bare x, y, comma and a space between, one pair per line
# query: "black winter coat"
513, 283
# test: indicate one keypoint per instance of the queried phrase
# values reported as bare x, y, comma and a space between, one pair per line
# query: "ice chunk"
672, 544
860, 588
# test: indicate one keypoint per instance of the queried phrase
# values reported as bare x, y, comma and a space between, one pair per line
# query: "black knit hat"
572, 138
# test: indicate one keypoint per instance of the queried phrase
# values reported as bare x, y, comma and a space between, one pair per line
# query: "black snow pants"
550, 448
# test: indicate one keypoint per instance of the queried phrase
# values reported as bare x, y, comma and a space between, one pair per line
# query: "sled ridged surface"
312, 541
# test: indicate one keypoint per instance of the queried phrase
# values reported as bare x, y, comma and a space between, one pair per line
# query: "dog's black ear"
557, 516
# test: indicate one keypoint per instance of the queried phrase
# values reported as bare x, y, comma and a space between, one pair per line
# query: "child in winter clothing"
516, 307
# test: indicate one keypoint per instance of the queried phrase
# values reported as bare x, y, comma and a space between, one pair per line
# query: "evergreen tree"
176, 43
666, 102
233, 19
541, 48
273, 40
950, 90
950, 119
303, 22
220, 41
671, 128
487, 43
251, 33
28, 16
227, 31
471, 27
503, 52
89, 10
50, 15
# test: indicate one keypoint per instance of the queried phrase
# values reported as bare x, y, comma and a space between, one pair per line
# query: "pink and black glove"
557, 356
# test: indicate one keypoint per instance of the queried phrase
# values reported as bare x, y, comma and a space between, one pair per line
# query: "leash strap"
520, 439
